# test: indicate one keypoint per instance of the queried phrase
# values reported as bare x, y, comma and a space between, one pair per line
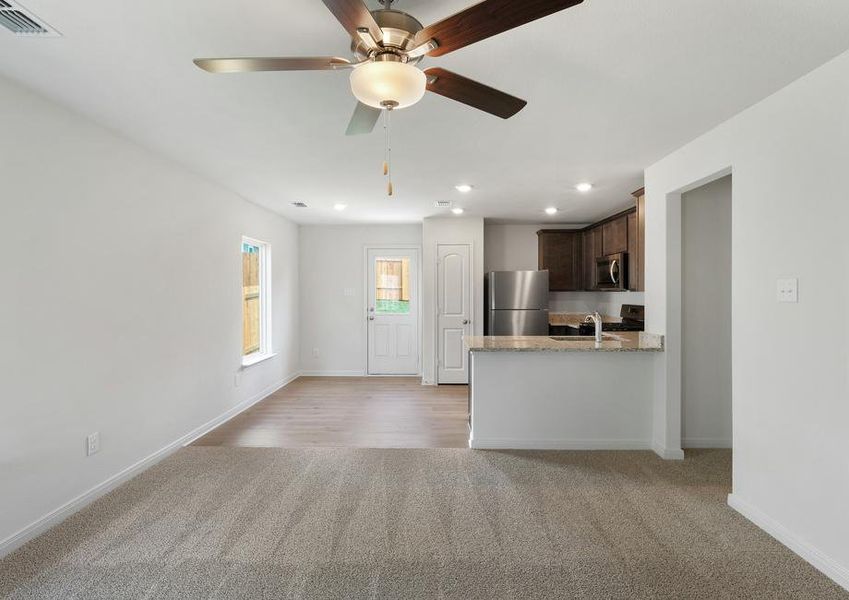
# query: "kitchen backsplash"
607, 303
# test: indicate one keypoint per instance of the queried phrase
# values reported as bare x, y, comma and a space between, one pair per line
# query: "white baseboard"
351, 374
333, 373
822, 562
667, 453
239, 408
547, 444
705, 443
61, 513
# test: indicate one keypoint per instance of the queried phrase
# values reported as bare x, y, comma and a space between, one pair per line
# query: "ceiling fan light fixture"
383, 84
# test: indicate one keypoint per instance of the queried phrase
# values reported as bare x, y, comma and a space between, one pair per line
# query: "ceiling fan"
388, 43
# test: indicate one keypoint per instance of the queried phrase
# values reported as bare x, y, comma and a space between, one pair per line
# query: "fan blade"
247, 65
480, 96
353, 15
486, 19
363, 119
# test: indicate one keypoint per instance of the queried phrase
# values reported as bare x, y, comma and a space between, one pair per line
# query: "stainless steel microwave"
611, 272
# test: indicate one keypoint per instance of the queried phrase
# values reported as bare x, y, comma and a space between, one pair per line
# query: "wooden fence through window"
393, 279
250, 303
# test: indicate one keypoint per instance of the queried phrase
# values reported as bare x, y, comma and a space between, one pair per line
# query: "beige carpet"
409, 524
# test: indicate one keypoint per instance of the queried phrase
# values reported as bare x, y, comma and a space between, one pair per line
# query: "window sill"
252, 359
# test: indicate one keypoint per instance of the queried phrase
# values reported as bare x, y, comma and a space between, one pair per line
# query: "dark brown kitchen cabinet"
637, 267
560, 252
592, 250
614, 235
633, 260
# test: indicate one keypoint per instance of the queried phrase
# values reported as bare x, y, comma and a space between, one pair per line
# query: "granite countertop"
575, 319
626, 341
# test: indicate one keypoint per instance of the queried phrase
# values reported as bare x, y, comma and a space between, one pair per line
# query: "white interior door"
454, 311
393, 311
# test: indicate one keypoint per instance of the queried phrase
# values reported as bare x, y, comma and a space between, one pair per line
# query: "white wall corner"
56, 516
667, 452
821, 561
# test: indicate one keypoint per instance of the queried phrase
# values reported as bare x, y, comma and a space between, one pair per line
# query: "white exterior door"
454, 311
393, 311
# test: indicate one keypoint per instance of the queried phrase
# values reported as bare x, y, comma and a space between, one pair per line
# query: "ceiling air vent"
20, 21
295, 204
438, 203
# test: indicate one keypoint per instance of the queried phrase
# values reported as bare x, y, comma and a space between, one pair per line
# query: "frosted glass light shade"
377, 82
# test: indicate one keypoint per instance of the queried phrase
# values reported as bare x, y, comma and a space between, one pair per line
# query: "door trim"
364, 312
435, 294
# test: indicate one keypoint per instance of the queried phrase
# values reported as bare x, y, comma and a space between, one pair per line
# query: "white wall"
706, 316
458, 230
790, 362
513, 247
331, 261
121, 309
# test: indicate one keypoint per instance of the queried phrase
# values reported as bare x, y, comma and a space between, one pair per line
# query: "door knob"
465, 321
371, 318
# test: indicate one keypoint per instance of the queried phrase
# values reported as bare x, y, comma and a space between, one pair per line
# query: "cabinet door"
588, 242
615, 236
641, 243
633, 256
560, 253
592, 249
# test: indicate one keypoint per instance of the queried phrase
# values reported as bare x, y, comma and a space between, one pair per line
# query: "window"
392, 286
256, 301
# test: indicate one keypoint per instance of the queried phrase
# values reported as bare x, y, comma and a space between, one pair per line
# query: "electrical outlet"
349, 292
788, 290
315, 353
92, 442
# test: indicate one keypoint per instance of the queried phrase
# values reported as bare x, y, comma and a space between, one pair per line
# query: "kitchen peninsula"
541, 392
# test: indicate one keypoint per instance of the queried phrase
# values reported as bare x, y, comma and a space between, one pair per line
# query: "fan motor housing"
399, 32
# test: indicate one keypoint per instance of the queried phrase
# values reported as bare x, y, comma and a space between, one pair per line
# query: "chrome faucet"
595, 318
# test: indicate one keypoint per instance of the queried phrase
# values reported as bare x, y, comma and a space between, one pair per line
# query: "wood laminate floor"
356, 412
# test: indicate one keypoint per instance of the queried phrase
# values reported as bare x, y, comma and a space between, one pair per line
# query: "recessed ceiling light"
457, 211
551, 210
584, 187
464, 188
340, 206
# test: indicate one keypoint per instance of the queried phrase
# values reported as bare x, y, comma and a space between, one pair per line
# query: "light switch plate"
788, 290
92, 443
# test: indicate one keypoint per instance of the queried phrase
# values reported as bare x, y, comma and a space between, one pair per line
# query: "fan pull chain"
387, 156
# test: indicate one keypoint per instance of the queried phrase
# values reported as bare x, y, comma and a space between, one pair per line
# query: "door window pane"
392, 286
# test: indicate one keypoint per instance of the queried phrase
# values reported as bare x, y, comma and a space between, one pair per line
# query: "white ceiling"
612, 86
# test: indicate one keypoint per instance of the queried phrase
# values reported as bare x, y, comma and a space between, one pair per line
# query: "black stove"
633, 319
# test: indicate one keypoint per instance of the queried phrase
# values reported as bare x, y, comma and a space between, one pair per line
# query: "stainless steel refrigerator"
516, 303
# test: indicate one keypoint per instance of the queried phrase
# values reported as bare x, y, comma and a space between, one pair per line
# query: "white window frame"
265, 346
